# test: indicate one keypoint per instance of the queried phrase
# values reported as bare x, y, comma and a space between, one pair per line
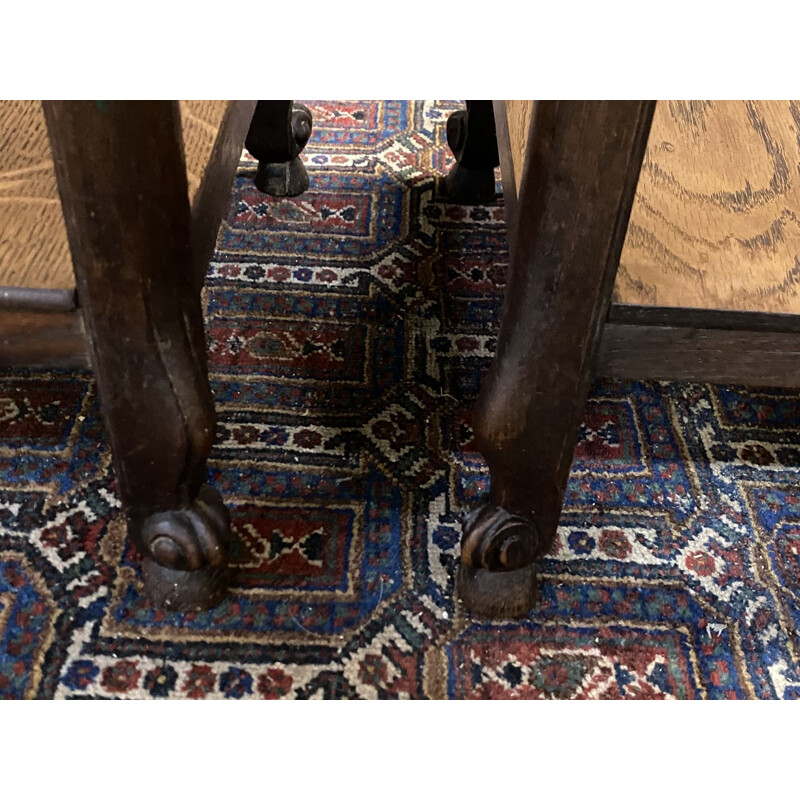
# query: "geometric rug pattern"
348, 330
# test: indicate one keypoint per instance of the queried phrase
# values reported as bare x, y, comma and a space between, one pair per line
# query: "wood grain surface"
715, 222
716, 219
34, 252
33, 240
518, 113
200, 123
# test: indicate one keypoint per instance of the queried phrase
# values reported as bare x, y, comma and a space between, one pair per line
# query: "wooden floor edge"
685, 317
36, 340
43, 339
707, 355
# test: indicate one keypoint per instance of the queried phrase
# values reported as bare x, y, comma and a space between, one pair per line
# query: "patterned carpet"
348, 332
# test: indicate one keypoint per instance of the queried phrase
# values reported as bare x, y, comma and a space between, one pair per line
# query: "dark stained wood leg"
581, 172
471, 136
122, 182
278, 133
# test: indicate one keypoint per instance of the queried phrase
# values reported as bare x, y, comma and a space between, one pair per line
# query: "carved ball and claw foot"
471, 137
278, 134
185, 564
497, 574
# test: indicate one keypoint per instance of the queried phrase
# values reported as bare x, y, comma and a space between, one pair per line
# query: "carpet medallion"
348, 332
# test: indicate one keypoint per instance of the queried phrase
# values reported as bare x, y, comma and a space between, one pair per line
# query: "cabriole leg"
122, 182
578, 191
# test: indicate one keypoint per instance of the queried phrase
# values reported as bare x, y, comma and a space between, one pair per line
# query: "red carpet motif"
348, 332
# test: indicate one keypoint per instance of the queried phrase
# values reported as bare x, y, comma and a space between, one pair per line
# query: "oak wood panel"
716, 221
518, 117
34, 252
33, 240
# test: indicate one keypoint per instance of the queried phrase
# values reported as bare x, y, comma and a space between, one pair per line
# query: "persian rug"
348, 331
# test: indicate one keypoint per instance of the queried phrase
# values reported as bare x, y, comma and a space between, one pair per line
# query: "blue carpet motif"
348, 332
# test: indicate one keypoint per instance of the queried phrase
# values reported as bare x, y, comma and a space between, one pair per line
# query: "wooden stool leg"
122, 181
472, 138
278, 133
582, 167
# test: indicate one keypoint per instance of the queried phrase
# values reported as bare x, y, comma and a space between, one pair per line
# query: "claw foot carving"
497, 574
497, 540
472, 139
289, 177
186, 554
189, 539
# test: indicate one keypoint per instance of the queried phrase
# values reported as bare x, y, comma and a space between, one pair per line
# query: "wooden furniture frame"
140, 254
